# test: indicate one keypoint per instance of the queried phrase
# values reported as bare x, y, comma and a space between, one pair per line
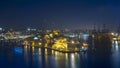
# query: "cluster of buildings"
62, 40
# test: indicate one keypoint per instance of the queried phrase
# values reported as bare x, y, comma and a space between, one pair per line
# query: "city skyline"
60, 34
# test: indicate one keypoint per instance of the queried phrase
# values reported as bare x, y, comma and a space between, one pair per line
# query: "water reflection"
18, 50
115, 45
72, 58
39, 51
116, 54
26, 55
33, 57
45, 58
33, 51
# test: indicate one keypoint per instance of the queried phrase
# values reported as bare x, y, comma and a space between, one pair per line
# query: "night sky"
59, 14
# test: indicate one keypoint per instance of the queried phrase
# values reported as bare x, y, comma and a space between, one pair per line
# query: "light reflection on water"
72, 58
26, 55
52, 59
116, 55
33, 57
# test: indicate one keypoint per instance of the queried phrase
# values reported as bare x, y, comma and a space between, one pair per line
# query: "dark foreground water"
30, 57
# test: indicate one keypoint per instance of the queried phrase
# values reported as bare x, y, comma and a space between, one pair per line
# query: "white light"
112, 34
0, 29
28, 29
116, 34
35, 38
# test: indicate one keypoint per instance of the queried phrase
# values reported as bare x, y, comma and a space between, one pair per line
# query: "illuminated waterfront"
57, 49
32, 57
60, 34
